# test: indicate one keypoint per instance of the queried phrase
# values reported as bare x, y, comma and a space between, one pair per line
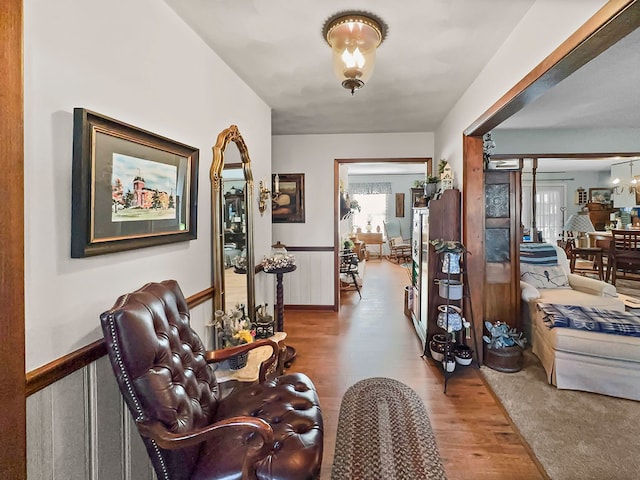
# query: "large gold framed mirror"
233, 265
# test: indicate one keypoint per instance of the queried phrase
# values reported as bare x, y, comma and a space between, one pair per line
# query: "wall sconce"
264, 196
354, 38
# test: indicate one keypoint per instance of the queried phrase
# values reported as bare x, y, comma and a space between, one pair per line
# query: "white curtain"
550, 198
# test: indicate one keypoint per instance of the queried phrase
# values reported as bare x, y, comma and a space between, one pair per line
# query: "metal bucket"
451, 289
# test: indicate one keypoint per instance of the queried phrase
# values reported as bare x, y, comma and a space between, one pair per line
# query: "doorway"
393, 175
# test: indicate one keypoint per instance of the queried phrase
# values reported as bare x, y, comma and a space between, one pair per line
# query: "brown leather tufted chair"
272, 430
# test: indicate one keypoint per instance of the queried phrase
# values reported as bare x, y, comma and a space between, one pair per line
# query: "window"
373, 208
372, 198
549, 201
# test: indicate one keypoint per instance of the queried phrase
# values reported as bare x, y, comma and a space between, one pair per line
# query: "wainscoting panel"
70, 436
312, 283
76, 430
106, 439
39, 436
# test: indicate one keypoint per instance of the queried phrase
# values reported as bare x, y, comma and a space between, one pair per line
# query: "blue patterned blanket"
590, 319
538, 254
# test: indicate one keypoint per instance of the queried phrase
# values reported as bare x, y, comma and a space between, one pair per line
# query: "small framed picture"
600, 195
287, 205
399, 204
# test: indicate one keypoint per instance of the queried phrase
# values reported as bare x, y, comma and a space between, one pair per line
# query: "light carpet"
384, 433
574, 435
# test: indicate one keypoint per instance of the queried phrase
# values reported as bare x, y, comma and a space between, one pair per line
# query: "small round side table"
279, 272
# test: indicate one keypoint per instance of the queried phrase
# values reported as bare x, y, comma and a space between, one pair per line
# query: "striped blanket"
590, 319
538, 254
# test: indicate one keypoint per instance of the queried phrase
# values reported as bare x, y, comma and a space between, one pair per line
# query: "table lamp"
580, 224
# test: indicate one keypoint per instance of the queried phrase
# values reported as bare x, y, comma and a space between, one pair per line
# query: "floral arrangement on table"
236, 328
277, 262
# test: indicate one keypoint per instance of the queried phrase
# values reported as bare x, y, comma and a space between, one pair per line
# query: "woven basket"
507, 360
238, 361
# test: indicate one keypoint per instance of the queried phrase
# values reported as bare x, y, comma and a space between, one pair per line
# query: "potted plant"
236, 330
503, 347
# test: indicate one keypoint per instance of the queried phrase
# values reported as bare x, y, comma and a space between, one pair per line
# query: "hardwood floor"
372, 338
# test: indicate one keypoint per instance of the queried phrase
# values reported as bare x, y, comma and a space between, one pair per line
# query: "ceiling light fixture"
354, 38
632, 186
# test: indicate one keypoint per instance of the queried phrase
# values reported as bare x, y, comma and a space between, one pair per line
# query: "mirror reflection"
235, 236
233, 265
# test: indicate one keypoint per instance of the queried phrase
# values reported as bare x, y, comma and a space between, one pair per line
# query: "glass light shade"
278, 250
353, 40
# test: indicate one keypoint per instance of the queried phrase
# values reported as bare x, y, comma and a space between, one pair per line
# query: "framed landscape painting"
130, 189
600, 195
287, 205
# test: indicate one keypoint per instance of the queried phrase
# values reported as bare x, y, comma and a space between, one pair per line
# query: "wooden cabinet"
440, 220
502, 197
444, 222
600, 214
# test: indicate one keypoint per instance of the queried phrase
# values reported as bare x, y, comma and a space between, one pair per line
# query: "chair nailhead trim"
127, 382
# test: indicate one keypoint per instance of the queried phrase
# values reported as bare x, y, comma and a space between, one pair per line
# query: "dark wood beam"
13, 462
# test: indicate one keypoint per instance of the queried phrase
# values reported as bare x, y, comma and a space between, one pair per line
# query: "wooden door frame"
13, 455
610, 24
336, 208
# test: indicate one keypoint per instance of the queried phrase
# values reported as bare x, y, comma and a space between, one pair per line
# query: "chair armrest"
171, 441
592, 286
528, 292
216, 356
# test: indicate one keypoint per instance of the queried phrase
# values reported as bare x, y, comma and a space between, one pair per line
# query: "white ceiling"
433, 51
604, 93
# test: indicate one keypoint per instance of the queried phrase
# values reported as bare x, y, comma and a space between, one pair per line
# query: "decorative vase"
438, 346
449, 365
507, 359
463, 354
451, 262
430, 189
238, 361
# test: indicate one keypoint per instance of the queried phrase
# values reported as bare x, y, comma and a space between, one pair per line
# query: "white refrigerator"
420, 282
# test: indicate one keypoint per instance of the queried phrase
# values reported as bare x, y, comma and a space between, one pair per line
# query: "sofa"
576, 359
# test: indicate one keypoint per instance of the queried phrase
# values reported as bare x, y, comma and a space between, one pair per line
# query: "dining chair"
624, 254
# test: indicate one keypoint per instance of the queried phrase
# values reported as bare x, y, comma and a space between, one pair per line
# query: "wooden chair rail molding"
50, 373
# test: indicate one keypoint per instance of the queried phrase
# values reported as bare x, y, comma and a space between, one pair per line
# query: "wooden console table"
372, 238
251, 372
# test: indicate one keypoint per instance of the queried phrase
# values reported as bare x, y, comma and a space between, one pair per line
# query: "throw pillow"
397, 241
544, 276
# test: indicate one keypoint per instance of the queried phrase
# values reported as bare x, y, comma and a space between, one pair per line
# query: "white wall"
572, 181
139, 63
584, 140
526, 47
314, 156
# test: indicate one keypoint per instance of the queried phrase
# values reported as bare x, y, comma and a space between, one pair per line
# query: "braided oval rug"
384, 433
